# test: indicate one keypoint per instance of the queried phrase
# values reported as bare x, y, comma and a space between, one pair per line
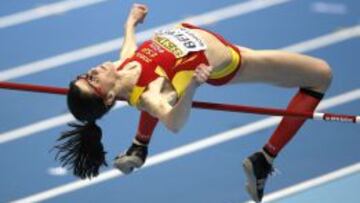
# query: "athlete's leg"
311, 75
283, 69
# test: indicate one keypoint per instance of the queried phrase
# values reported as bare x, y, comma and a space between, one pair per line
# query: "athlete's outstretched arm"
137, 15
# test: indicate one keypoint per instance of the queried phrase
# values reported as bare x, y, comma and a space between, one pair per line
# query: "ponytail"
81, 150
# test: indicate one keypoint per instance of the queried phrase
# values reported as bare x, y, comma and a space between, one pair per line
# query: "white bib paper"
184, 39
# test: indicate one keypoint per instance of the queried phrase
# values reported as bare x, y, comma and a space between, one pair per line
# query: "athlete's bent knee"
325, 74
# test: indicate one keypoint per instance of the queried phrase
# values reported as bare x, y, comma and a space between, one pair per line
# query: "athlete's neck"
127, 79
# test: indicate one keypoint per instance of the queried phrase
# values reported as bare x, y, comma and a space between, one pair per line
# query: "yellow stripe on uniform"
135, 95
235, 59
181, 80
160, 71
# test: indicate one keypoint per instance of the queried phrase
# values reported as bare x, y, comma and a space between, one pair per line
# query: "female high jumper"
160, 78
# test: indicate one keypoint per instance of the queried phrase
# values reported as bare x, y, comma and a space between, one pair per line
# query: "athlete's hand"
202, 74
137, 14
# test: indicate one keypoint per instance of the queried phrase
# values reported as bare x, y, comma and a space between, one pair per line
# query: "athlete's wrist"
130, 24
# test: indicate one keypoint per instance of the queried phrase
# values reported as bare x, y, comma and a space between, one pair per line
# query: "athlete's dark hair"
80, 148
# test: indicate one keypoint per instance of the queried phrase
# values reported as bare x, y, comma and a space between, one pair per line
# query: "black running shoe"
134, 157
257, 170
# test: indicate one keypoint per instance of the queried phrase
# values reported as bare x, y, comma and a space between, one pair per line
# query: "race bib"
179, 41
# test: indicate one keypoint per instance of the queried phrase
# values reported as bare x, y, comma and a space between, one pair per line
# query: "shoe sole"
251, 180
128, 163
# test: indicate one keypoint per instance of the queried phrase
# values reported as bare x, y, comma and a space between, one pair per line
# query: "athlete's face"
99, 80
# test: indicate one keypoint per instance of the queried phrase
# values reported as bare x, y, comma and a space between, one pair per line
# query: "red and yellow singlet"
174, 54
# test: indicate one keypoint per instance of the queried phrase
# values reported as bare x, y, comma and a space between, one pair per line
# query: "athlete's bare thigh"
217, 53
283, 69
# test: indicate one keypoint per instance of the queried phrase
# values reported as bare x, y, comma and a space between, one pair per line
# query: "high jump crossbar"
207, 105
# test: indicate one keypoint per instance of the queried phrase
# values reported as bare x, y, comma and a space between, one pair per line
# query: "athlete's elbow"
174, 119
174, 128
174, 125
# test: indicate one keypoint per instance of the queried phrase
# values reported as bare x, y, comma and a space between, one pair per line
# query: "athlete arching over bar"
160, 78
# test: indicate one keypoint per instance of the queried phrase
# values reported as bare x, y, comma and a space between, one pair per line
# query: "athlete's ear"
110, 98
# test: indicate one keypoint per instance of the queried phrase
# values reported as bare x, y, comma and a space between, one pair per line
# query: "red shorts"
225, 74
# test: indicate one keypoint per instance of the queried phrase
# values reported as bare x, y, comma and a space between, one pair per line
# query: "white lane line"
320, 42
44, 11
185, 150
113, 45
329, 8
325, 40
42, 126
306, 185
35, 127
